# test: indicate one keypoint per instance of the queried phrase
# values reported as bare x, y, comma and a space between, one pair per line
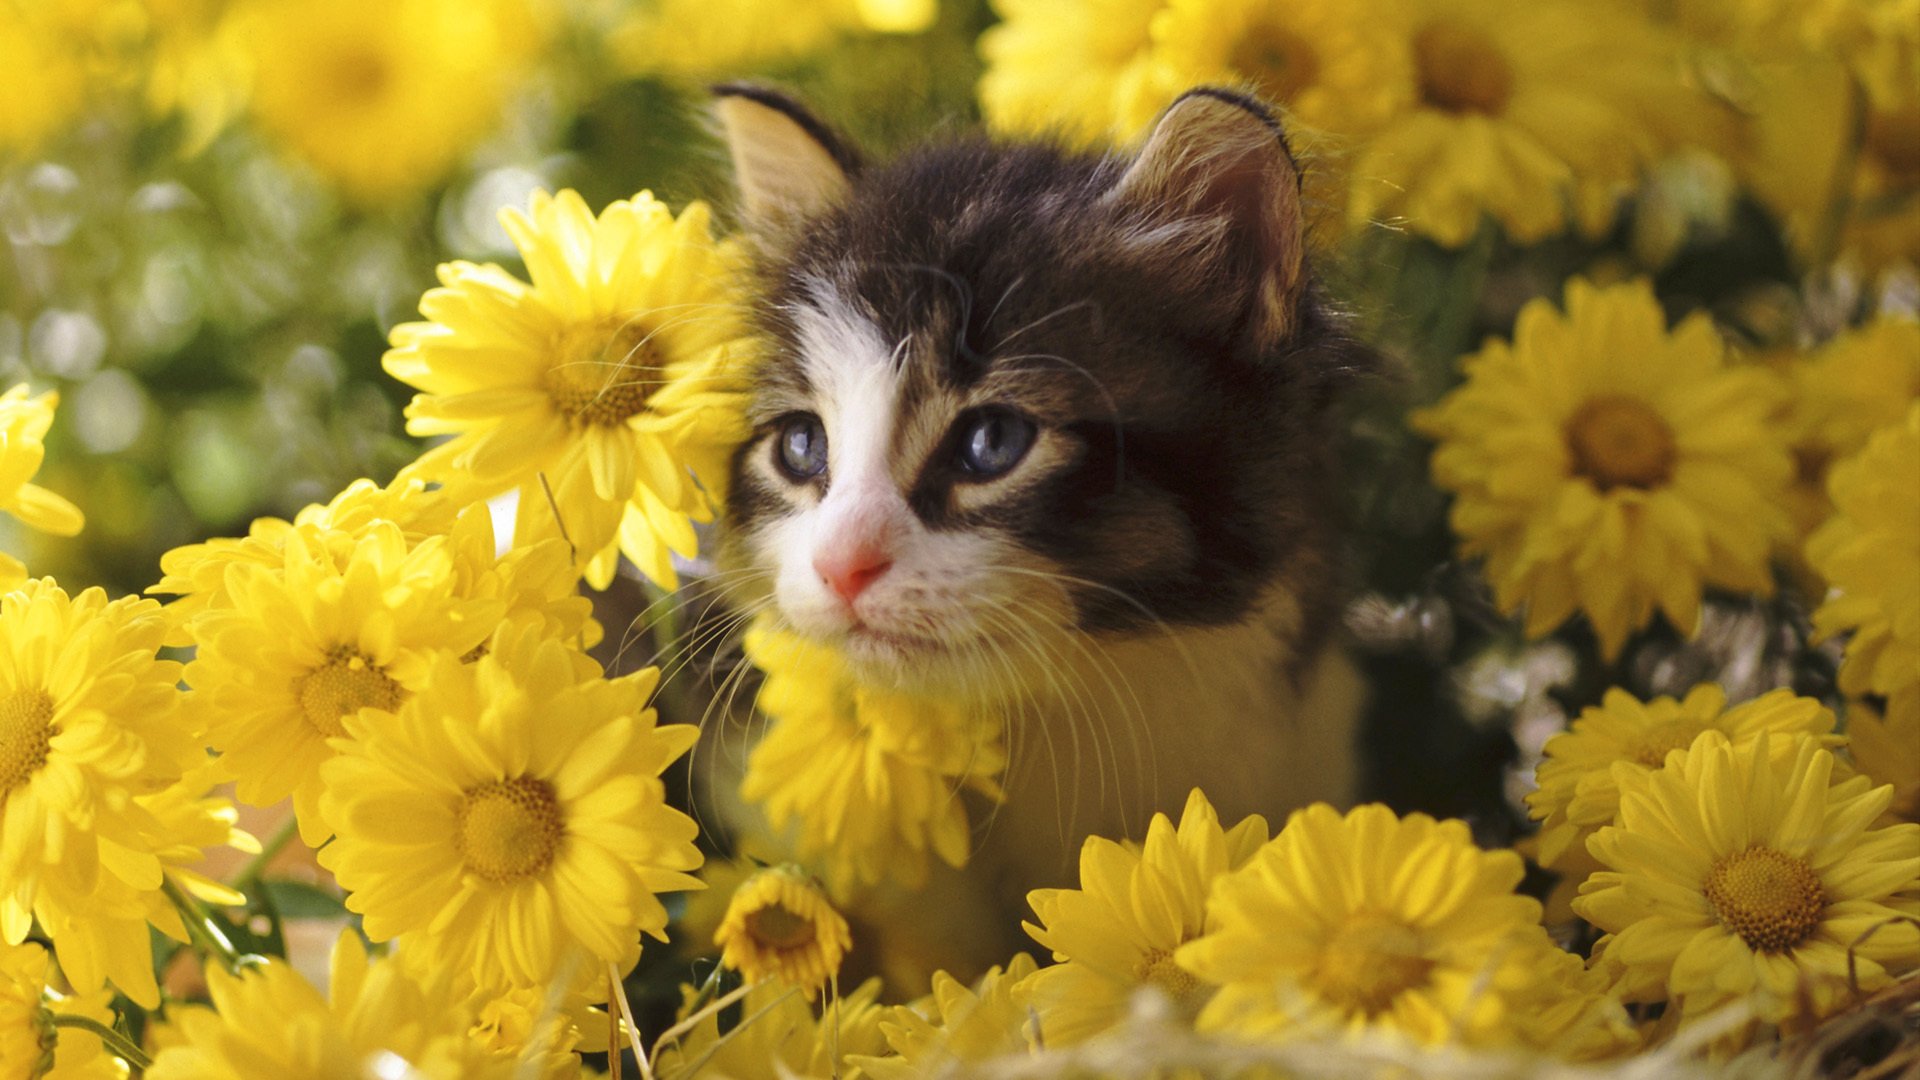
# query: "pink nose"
848, 573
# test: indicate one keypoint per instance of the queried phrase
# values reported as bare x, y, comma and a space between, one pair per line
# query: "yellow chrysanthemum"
30, 1045
608, 390
1869, 553
23, 425
701, 38
383, 97
1603, 464
1072, 68
1135, 906
781, 925
545, 1027
537, 832
1538, 114
958, 1023
1370, 924
94, 745
42, 79
1887, 749
780, 1037
1578, 786
307, 645
1862, 380
866, 781
1747, 878
376, 1020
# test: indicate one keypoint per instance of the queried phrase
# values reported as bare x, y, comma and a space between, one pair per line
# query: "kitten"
1050, 431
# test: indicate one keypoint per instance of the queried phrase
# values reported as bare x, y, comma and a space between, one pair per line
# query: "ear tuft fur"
788, 165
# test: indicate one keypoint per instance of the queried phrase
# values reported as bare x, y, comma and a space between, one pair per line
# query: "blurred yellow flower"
1887, 749
780, 925
608, 390
1747, 878
93, 742
958, 1023
1070, 68
1377, 925
43, 79
1842, 392
1579, 787
30, 1047
1538, 113
376, 1020
383, 97
1135, 906
707, 38
866, 780
1603, 464
779, 1038
1869, 553
544, 1026
309, 643
510, 819
23, 427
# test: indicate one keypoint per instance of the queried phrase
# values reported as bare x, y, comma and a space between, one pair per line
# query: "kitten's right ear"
788, 166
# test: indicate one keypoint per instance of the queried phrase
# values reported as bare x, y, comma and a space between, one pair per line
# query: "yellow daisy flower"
1134, 908
614, 376
779, 1038
780, 925
1745, 877
1869, 553
23, 425
1579, 790
703, 38
383, 97
864, 780
308, 645
537, 828
544, 1027
375, 1019
30, 1046
1536, 114
1603, 464
1887, 749
1860, 381
1377, 925
1070, 68
92, 738
958, 1023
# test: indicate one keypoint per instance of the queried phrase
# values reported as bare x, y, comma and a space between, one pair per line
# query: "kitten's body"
1147, 590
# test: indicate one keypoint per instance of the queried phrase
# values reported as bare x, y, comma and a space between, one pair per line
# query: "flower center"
26, 735
779, 929
1771, 899
1278, 61
509, 829
1620, 441
1158, 968
1651, 748
344, 685
1369, 962
1461, 70
603, 372
359, 76
1893, 136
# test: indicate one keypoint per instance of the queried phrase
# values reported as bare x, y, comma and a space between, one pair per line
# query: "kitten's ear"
1217, 154
789, 166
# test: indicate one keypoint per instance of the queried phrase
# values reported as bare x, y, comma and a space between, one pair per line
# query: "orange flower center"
26, 736
1279, 62
776, 928
344, 685
1771, 899
1652, 747
603, 372
1620, 441
1369, 962
1461, 70
509, 829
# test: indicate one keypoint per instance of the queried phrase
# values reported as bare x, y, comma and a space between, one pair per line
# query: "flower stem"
119, 1044
206, 933
257, 865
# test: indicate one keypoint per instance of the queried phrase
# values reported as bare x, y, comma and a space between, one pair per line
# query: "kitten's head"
1015, 393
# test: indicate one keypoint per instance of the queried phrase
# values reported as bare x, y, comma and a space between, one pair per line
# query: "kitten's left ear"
1217, 154
788, 165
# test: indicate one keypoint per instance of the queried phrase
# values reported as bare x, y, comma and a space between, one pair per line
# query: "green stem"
119, 1044
203, 930
257, 865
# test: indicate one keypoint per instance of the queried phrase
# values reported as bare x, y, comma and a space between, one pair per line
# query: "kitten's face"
1003, 408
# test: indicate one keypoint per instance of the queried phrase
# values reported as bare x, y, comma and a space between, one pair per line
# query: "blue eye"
994, 441
800, 448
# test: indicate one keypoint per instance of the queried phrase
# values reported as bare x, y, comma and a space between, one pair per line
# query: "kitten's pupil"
801, 448
994, 441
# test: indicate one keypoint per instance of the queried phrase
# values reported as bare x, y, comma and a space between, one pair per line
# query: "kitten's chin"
912, 663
